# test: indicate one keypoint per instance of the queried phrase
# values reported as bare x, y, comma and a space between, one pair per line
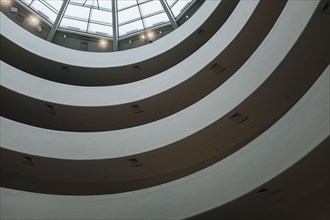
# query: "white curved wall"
287, 141
98, 145
41, 89
113, 59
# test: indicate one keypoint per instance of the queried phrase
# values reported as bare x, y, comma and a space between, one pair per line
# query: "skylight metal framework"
108, 18
58, 19
45, 8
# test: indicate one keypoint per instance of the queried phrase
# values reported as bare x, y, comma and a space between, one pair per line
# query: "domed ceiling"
109, 18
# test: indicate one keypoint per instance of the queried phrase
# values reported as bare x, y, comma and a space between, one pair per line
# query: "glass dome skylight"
108, 18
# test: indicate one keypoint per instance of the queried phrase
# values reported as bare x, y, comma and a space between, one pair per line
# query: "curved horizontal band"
70, 145
104, 69
72, 95
57, 116
277, 149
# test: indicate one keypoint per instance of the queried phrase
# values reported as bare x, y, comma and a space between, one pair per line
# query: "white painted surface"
98, 145
41, 89
112, 59
287, 141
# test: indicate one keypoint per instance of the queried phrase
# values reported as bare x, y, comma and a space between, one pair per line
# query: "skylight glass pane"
27, 2
155, 20
105, 4
128, 15
100, 16
180, 6
78, 1
56, 4
100, 29
126, 3
90, 3
130, 28
44, 11
141, 1
171, 2
149, 8
95, 16
74, 24
74, 11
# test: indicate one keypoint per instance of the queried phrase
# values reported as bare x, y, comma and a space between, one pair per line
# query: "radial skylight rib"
178, 6
126, 4
27, 2
89, 16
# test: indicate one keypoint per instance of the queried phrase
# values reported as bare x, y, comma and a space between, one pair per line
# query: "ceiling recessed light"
5, 2
103, 43
33, 20
150, 35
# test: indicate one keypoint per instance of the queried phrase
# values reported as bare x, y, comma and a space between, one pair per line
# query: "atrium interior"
165, 109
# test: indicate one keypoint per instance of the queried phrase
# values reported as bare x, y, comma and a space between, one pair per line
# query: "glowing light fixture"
95, 17
103, 43
5, 3
150, 35
33, 20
